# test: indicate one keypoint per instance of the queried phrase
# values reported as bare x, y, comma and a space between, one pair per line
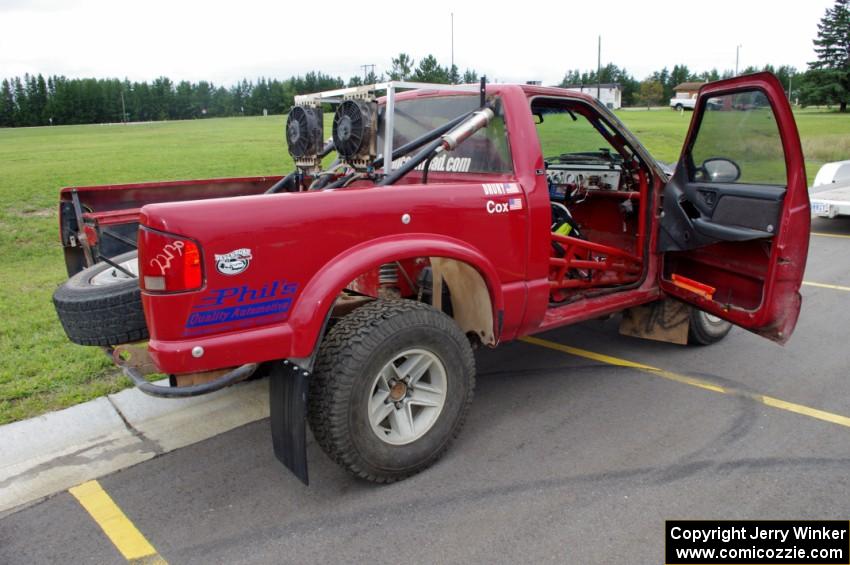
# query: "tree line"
58, 100
658, 86
828, 78
32, 100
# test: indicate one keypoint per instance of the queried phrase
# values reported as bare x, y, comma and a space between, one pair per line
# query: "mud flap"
665, 320
288, 407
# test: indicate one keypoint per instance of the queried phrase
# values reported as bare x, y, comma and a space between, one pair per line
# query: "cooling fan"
304, 131
354, 132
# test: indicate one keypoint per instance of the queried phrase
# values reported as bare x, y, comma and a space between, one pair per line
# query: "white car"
683, 103
830, 193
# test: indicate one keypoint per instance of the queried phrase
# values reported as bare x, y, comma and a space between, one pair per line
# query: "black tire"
678, 107
350, 358
109, 314
705, 331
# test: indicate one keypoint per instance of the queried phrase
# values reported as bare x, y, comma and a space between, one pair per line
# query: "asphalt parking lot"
567, 458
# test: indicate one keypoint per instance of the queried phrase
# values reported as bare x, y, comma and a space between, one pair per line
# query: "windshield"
487, 151
568, 137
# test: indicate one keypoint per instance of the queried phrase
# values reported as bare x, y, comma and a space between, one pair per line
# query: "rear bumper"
206, 353
830, 199
828, 208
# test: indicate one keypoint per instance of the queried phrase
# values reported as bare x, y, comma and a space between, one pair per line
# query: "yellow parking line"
115, 524
821, 234
830, 286
699, 383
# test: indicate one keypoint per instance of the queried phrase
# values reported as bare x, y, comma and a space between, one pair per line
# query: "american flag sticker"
515, 204
500, 188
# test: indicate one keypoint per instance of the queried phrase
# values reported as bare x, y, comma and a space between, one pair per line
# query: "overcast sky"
508, 41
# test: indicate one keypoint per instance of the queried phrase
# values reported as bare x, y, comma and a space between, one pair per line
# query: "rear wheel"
102, 305
392, 387
706, 329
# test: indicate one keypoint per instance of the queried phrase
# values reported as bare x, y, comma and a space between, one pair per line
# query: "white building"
610, 94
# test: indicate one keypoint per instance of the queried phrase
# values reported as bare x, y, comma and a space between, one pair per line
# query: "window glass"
487, 151
568, 136
739, 131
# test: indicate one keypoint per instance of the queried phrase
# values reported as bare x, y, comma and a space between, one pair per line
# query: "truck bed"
110, 213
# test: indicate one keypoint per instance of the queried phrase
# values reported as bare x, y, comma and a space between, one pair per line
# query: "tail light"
168, 263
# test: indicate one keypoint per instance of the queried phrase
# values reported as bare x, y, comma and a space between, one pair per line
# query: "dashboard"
584, 177
576, 173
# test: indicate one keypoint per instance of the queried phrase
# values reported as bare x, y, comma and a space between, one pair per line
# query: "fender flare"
315, 301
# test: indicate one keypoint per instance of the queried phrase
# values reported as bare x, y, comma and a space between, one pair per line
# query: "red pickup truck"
362, 286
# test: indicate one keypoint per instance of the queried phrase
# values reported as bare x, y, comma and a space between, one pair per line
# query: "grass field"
825, 135
40, 370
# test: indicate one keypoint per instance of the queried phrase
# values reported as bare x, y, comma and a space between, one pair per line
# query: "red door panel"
735, 229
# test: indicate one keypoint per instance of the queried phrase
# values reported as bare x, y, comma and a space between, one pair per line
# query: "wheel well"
453, 287
472, 308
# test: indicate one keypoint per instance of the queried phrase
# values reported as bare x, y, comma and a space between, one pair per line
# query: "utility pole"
365, 74
737, 58
599, 69
453, 43
123, 109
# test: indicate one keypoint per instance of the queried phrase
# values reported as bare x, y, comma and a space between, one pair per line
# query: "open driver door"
734, 234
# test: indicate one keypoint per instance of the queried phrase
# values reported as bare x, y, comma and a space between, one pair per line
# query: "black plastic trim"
728, 233
288, 416
233, 377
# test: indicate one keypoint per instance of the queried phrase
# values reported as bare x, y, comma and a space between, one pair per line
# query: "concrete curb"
53, 452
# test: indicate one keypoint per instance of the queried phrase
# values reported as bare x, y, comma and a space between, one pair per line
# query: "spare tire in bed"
101, 305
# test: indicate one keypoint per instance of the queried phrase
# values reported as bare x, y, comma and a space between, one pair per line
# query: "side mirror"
719, 169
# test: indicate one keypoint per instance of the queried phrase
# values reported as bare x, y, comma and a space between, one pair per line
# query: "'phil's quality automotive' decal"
241, 306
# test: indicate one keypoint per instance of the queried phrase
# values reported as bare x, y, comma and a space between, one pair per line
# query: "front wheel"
706, 329
392, 387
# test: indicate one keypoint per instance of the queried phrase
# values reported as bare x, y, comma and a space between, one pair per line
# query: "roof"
594, 85
688, 86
